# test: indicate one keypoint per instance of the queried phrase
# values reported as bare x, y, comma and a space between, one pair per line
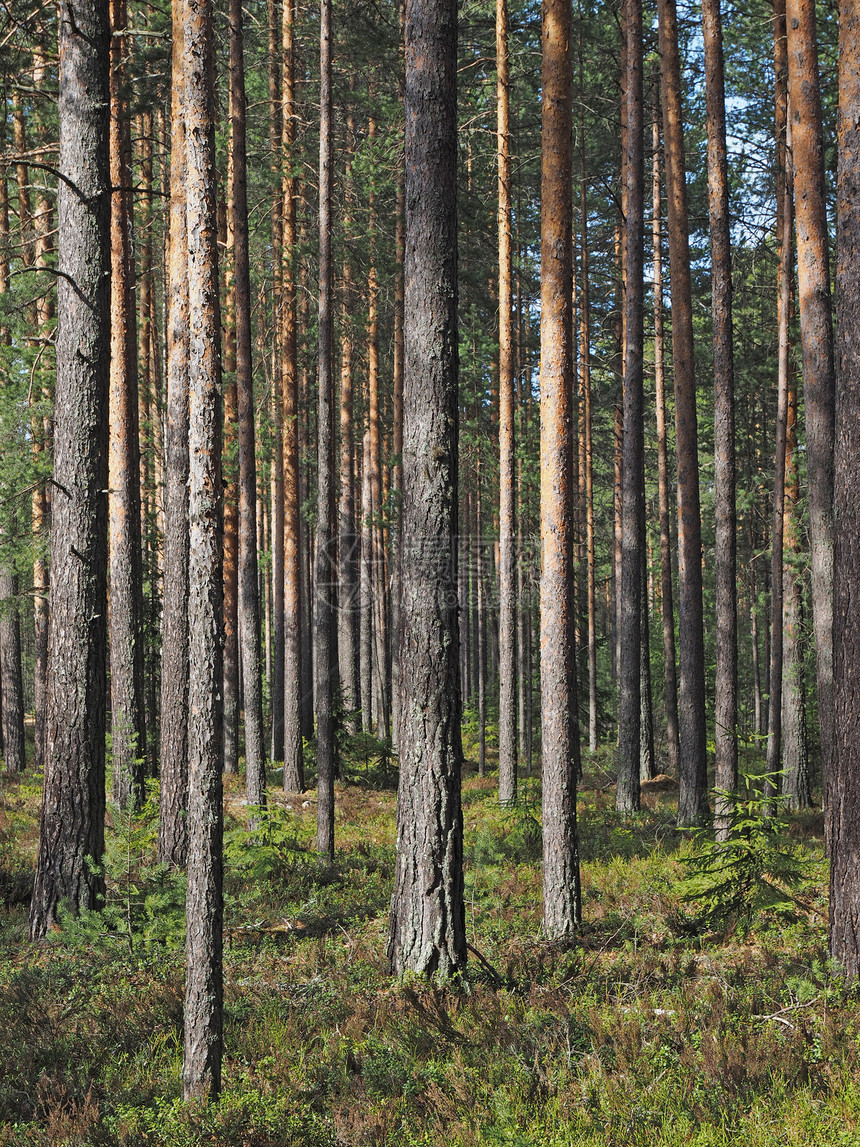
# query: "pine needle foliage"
732, 882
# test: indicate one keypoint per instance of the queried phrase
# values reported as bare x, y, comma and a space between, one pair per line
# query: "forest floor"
655, 1028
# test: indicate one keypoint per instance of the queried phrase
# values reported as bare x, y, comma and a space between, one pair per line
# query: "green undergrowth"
665, 1024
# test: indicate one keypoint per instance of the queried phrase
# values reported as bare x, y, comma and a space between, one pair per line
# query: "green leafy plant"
751, 872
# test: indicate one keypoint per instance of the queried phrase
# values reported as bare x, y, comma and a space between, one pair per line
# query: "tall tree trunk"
11, 682
693, 795
128, 729
293, 758
559, 715
633, 459
785, 276
348, 539
427, 928
147, 358
376, 571
43, 438
366, 590
231, 484
248, 593
481, 615
201, 1066
816, 339
507, 456
12, 745
796, 780
173, 754
397, 411
843, 788
587, 469
725, 535
667, 603
325, 638
71, 832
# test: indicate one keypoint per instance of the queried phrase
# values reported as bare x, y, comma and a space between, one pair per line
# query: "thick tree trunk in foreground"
249, 597
816, 338
559, 718
173, 755
71, 833
507, 487
128, 731
693, 795
725, 537
201, 1067
427, 929
633, 456
325, 635
844, 786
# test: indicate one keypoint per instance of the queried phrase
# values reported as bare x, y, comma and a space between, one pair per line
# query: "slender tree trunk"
647, 764
670, 689
366, 590
843, 787
248, 593
11, 682
633, 458
325, 638
293, 757
785, 278
201, 1067
43, 438
507, 457
71, 833
725, 536
796, 780
816, 339
376, 575
128, 729
173, 755
587, 468
231, 481
481, 614
693, 796
348, 539
427, 933
12, 746
559, 715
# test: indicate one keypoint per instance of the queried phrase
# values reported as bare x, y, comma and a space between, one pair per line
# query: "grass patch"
648, 1031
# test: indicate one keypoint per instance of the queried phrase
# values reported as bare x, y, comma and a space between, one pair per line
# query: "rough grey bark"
559, 718
11, 683
693, 794
173, 755
725, 536
796, 778
633, 450
844, 786
249, 598
816, 339
325, 633
507, 456
201, 1066
128, 727
670, 688
71, 834
427, 932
